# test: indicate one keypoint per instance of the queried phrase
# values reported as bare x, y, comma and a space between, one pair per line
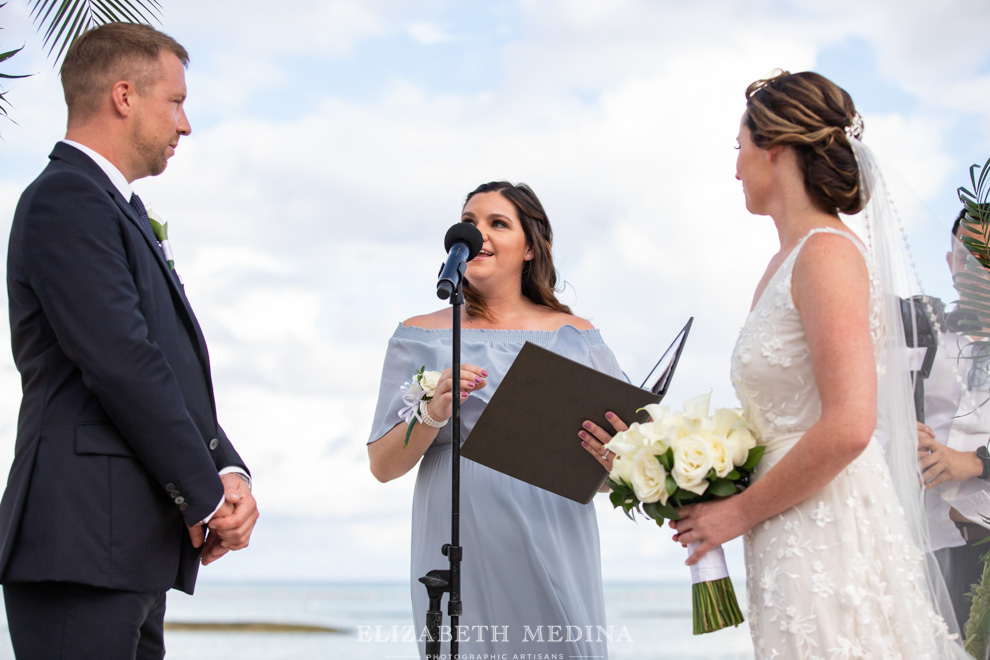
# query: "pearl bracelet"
427, 420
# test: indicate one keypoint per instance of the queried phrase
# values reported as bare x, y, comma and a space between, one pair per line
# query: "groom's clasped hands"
230, 527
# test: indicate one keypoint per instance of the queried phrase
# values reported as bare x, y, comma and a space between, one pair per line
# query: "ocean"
647, 621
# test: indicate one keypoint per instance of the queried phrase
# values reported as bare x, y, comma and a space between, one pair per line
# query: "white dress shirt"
960, 422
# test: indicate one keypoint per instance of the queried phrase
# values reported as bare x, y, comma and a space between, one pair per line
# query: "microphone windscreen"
464, 232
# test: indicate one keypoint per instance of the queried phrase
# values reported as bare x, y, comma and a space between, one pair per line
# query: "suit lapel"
77, 158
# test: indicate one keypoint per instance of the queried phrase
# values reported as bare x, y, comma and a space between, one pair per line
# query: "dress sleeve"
402, 358
603, 360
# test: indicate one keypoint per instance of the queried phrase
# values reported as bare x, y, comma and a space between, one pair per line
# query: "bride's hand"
441, 407
594, 439
711, 524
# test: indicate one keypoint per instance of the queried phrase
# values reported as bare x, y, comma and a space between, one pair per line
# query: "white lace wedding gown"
835, 576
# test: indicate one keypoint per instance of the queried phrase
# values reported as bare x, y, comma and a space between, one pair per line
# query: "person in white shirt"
952, 447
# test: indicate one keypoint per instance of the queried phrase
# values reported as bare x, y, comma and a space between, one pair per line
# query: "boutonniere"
160, 227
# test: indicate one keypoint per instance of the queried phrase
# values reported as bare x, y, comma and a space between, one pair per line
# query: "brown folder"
529, 430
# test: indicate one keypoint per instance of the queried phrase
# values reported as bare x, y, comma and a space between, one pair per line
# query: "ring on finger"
605, 455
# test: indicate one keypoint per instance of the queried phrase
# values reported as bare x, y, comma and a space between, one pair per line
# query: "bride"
835, 566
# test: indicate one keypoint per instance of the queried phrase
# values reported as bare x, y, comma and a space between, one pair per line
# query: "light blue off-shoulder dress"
531, 576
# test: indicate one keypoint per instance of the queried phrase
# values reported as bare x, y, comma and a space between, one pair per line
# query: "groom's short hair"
104, 55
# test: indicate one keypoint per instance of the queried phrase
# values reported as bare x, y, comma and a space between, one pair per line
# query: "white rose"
428, 381
621, 470
692, 462
721, 460
738, 443
648, 478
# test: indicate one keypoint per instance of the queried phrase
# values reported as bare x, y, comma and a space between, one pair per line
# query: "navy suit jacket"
118, 443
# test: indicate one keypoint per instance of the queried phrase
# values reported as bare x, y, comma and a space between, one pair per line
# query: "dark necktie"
142, 214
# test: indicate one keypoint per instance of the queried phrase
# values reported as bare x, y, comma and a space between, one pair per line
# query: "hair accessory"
855, 127
429, 421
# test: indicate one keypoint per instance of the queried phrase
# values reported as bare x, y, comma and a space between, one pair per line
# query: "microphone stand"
438, 582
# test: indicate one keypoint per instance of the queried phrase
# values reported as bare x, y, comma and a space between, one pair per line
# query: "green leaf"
651, 510
984, 623
668, 511
755, 455
722, 488
61, 21
667, 459
671, 484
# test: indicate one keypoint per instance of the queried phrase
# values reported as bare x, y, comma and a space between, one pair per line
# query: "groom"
120, 467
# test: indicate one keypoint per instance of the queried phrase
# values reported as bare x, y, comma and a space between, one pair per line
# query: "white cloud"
428, 34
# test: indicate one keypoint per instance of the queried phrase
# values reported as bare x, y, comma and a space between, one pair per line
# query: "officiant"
531, 558
953, 445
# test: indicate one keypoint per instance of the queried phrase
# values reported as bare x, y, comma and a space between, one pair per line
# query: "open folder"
529, 430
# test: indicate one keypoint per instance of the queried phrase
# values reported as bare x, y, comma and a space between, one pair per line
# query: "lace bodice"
771, 364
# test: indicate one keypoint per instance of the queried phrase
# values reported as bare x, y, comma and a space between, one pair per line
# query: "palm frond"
4, 103
64, 20
973, 283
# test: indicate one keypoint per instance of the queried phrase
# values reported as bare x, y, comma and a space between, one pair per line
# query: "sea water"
374, 622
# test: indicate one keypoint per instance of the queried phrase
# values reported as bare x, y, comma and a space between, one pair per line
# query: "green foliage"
64, 20
623, 497
977, 630
755, 456
4, 103
973, 284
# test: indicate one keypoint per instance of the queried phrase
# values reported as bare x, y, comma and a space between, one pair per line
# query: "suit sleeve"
77, 263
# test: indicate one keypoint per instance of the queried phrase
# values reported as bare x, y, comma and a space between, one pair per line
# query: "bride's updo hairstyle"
813, 115
539, 277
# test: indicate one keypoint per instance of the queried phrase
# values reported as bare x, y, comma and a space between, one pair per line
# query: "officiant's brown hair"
100, 57
539, 277
810, 113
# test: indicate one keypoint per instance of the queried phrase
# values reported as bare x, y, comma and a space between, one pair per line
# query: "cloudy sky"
334, 140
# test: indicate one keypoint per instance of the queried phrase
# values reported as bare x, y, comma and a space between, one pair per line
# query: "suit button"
183, 506
170, 487
180, 501
214, 443
173, 494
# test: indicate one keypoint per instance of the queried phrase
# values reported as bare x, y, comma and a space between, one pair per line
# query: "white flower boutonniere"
160, 227
416, 394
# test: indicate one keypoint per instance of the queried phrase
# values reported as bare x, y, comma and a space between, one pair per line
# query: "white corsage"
416, 395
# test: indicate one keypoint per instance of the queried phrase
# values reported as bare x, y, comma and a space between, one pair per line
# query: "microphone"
463, 243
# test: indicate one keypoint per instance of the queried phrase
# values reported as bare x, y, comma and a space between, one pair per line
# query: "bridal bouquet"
416, 394
684, 458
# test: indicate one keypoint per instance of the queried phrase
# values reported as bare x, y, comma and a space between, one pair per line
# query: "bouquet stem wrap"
714, 604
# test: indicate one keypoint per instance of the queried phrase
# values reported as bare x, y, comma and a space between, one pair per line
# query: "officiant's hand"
594, 439
940, 464
441, 407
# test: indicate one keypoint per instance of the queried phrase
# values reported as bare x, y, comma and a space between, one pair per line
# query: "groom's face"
160, 118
